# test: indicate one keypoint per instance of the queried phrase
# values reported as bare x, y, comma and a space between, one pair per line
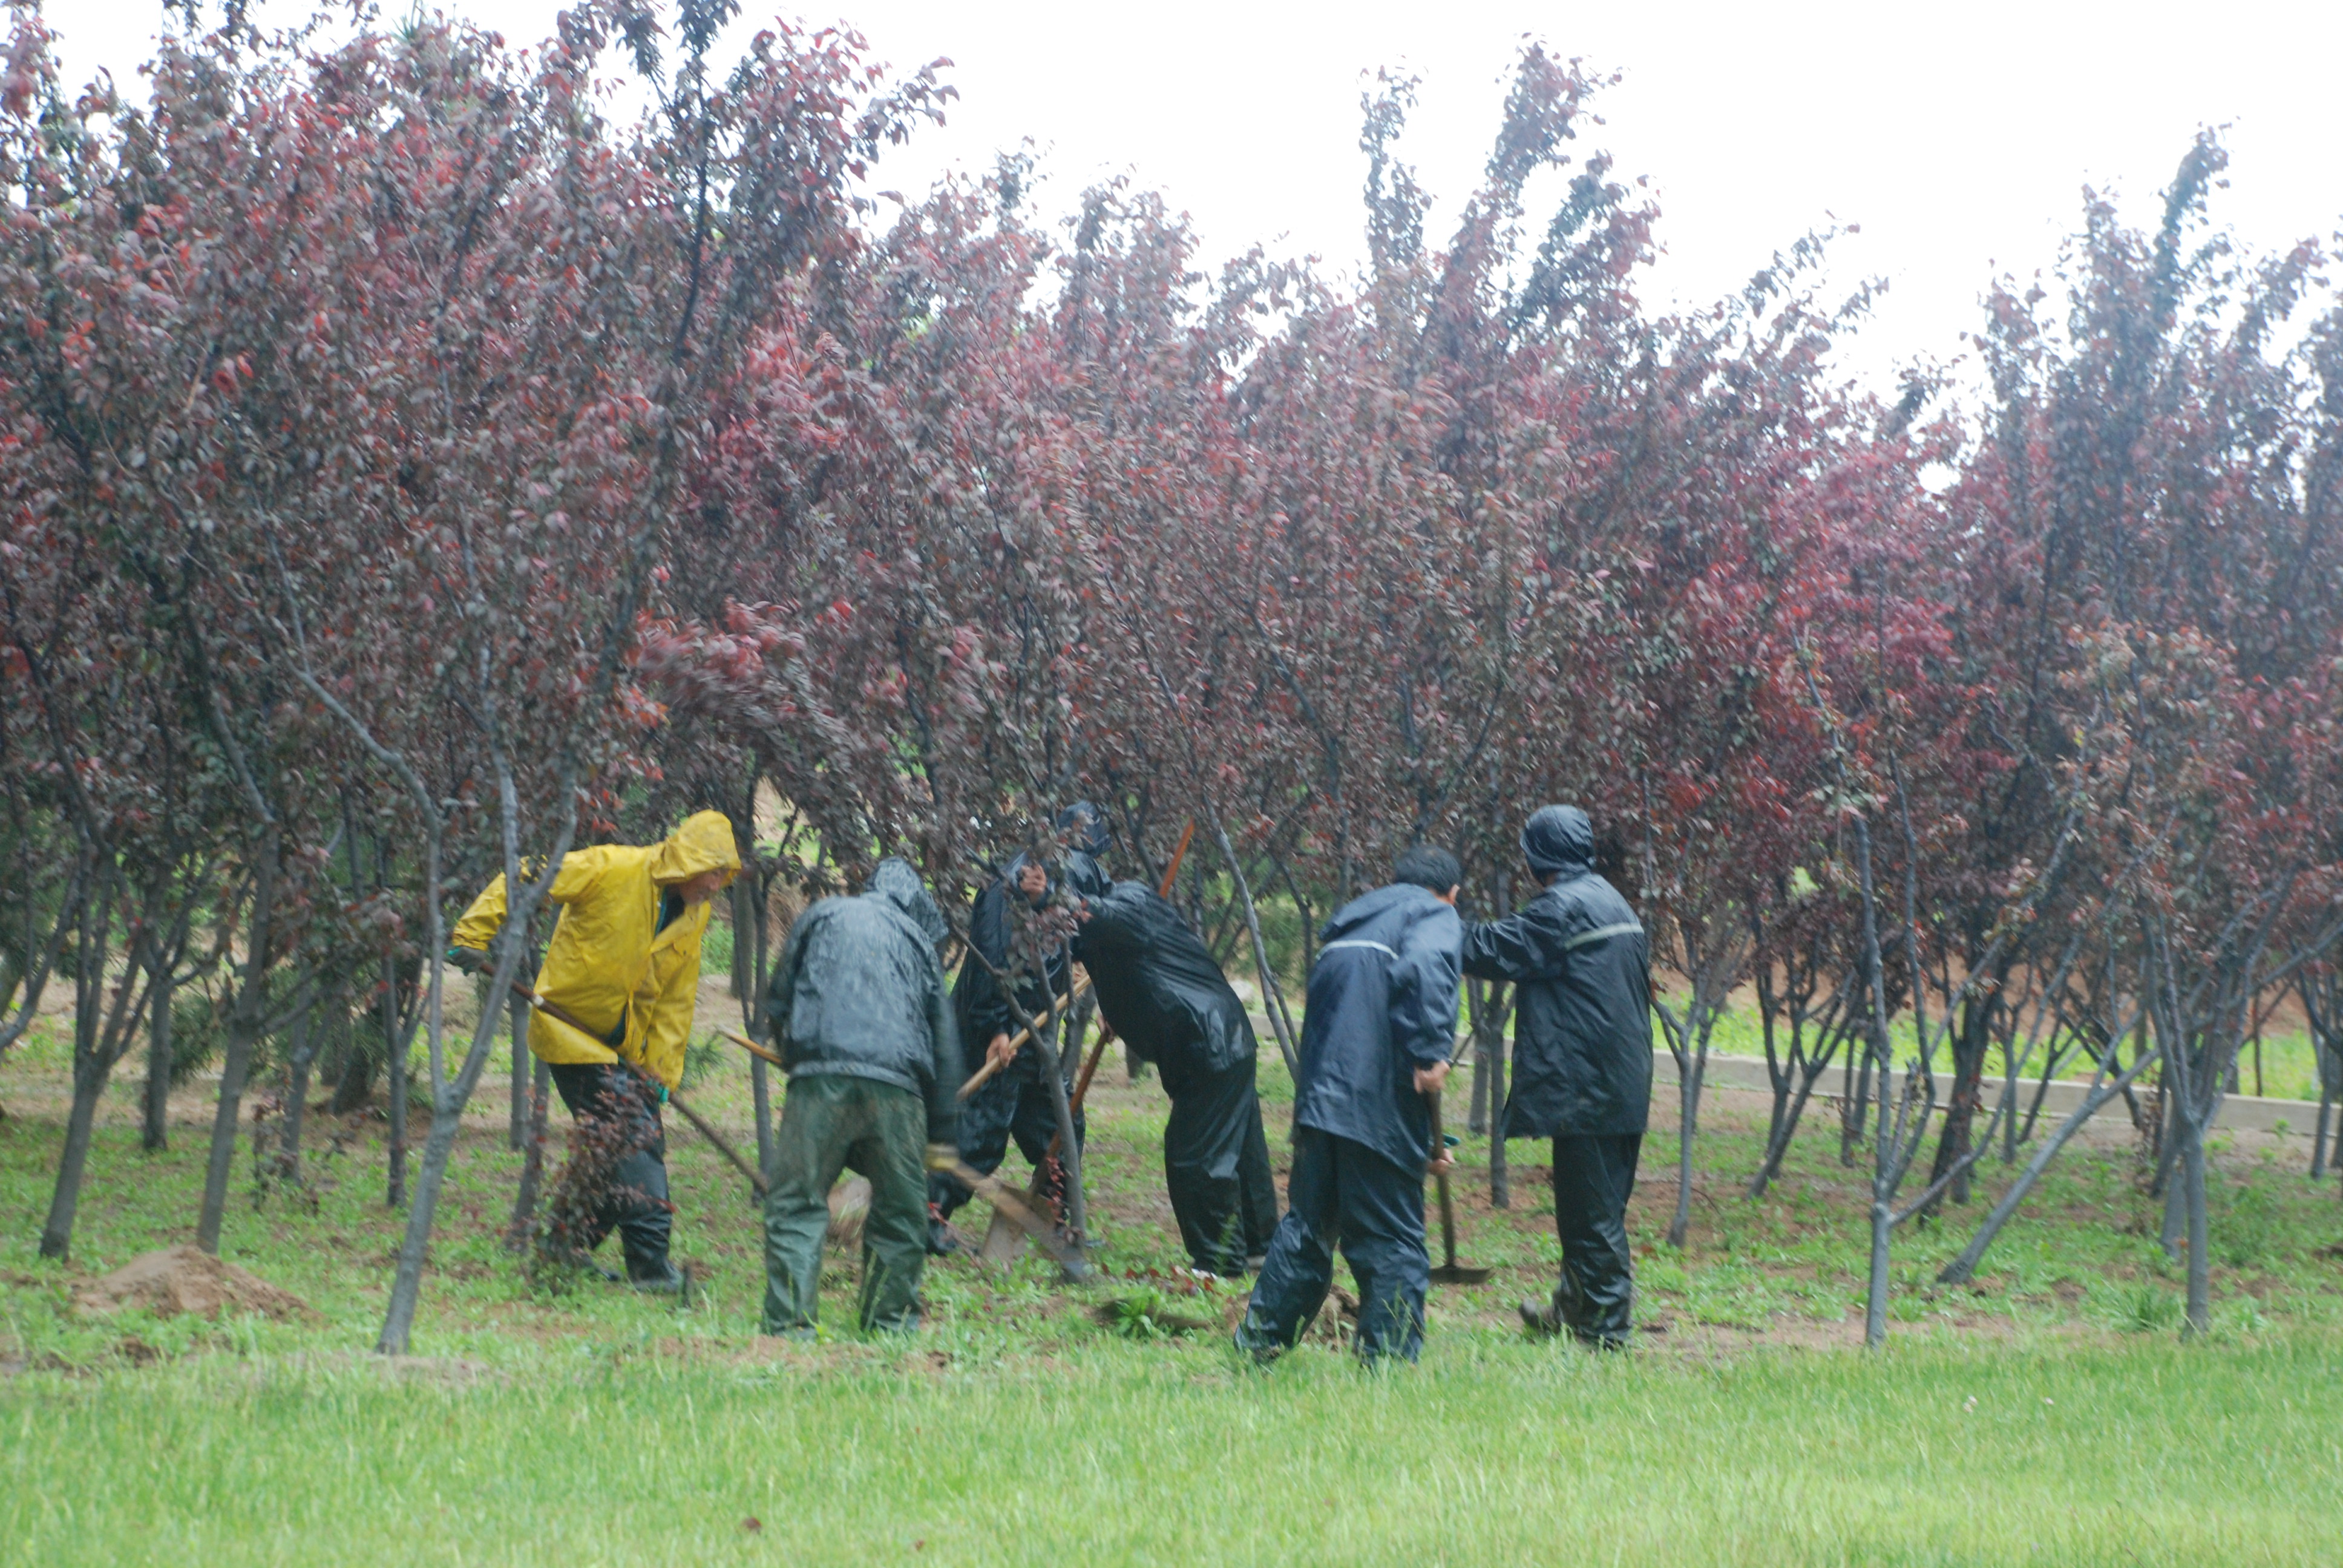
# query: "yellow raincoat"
608, 961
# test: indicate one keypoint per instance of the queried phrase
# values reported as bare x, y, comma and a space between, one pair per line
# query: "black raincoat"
1158, 986
1015, 1103
1383, 1003
983, 1008
1583, 1029
1581, 1059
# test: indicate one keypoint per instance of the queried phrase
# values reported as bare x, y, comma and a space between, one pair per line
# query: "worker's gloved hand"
660, 1089
942, 1156
471, 960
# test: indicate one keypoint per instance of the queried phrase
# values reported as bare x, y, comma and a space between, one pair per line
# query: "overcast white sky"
1959, 136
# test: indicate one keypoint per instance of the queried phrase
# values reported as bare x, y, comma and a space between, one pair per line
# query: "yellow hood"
704, 843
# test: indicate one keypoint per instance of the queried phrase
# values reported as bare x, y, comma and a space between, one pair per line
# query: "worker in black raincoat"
1378, 1036
1582, 1063
867, 1033
1158, 986
1015, 1102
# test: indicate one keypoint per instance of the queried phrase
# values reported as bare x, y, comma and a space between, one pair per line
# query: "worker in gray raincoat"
867, 1033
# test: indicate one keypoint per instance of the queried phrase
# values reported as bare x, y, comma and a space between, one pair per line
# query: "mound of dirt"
185, 1278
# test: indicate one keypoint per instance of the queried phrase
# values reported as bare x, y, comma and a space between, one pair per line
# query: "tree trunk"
1969, 1047
155, 1129
1778, 1149
438, 1146
1874, 1300
532, 1165
2319, 1142
306, 1038
516, 1024
1501, 1176
406, 1285
1688, 1125
752, 1013
2009, 1124
2200, 1263
395, 1087
1476, 1114
2170, 1181
90, 1074
243, 1025
242, 1036
1854, 1106
1070, 1152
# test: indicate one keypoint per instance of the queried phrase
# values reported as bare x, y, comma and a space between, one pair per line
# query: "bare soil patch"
185, 1278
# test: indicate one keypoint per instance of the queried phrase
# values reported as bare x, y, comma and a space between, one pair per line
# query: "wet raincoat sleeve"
1423, 990
674, 1001
1528, 945
580, 874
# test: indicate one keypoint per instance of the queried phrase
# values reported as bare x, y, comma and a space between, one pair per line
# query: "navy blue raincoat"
1383, 1003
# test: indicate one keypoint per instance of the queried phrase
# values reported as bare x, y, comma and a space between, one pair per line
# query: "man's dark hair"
1428, 866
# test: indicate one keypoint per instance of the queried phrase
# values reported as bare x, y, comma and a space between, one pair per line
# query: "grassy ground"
2047, 1413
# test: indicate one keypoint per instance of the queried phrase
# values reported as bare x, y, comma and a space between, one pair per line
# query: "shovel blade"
1002, 1241
1457, 1275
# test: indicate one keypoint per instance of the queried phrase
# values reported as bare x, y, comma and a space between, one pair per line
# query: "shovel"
1451, 1272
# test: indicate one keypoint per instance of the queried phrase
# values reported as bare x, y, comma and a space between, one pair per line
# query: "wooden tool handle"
1017, 1043
1447, 1206
723, 1145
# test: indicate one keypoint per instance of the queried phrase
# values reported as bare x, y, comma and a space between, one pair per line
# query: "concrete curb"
2245, 1112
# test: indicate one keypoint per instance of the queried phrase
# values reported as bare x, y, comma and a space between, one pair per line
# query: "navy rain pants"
1592, 1179
1342, 1193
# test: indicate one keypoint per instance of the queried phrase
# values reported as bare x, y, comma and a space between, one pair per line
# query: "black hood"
1559, 840
1083, 828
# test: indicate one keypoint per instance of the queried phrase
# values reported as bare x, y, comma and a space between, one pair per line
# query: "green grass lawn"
1490, 1452
594, 1426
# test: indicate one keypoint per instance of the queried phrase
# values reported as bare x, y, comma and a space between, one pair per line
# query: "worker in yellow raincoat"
624, 961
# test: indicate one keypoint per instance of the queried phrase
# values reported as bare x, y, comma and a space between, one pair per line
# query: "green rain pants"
830, 1122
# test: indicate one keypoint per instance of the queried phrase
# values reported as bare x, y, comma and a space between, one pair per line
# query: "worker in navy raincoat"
1378, 1036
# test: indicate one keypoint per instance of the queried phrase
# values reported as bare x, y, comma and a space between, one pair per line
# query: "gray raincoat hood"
895, 881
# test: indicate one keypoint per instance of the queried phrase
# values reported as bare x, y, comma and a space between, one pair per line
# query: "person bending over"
1015, 1102
1377, 1038
624, 961
1159, 988
867, 1035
